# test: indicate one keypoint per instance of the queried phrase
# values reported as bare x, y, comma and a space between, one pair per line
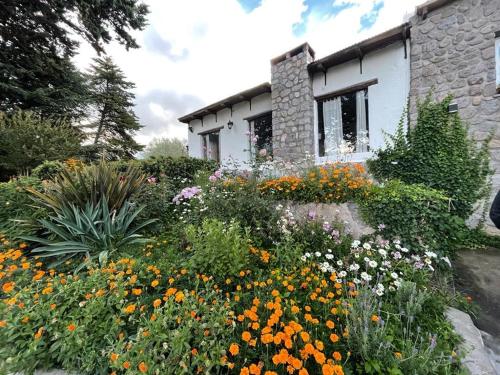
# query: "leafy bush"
91, 184
419, 216
156, 197
218, 248
330, 183
48, 170
16, 204
437, 153
92, 233
185, 346
27, 140
176, 168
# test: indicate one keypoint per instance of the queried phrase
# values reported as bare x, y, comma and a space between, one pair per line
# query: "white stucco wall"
234, 143
386, 100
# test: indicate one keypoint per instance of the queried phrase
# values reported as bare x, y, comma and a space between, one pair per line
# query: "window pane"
213, 141
343, 111
263, 129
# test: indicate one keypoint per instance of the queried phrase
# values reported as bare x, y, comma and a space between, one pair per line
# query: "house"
314, 106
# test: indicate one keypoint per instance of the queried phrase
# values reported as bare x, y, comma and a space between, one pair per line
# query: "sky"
196, 52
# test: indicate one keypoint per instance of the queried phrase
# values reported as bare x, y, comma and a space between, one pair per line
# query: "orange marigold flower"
113, 357
137, 291
71, 327
3, 323
154, 283
244, 371
39, 333
246, 336
330, 324
129, 309
375, 318
8, 287
126, 365
156, 303
334, 337
234, 349
337, 356
142, 367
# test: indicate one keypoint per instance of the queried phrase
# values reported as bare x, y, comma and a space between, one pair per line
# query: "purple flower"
381, 226
151, 180
212, 178
311, 215
218, 173
186, 194
326, 226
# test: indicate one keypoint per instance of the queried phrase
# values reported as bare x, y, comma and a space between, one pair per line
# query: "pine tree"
37, 44
114, 121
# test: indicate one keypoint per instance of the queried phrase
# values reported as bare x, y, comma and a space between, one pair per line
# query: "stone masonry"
292, 105
453, 51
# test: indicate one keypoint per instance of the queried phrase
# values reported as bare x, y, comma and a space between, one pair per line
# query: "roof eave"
358, 50
226, 103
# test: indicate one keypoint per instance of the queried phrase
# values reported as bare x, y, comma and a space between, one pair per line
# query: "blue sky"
195, 52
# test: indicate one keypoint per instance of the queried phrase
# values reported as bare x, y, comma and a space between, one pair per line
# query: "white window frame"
355, 157
202, 135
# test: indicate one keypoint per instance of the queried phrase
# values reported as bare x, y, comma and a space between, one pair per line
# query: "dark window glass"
263, 130
210, 146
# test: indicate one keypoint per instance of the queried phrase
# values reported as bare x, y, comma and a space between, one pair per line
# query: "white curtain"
332, 120
362, 141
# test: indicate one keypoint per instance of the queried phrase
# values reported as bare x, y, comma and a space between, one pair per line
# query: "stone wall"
453, 51
292, 105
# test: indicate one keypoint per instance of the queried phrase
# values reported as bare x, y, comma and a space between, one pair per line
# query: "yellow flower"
154, 283
156, 303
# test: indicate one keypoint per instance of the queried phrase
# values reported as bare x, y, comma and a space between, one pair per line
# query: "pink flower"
212, 178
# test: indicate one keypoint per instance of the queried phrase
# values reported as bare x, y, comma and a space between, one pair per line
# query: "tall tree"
158, 147
37, 43
114, 121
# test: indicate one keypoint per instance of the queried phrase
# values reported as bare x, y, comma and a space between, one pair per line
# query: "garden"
179, 266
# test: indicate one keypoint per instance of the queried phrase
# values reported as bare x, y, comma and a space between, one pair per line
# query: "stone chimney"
292, 104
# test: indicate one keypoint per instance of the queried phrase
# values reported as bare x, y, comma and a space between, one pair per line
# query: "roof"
227, 102
358, 50
431, 5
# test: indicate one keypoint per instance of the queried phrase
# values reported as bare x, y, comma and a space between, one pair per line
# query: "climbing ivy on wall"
438, 153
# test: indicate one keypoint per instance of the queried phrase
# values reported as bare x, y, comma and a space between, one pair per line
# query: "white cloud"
204, 50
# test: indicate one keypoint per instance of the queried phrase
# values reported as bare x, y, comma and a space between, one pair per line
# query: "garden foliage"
419, 216
217, 248
91, 184
437, 153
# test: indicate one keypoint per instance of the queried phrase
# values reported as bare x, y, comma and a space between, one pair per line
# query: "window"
210, 146
343, 122
263, 134
497, 58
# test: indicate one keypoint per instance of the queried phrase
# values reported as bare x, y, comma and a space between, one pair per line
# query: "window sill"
356, 157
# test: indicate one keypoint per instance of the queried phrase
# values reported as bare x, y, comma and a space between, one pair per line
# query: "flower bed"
334, 182
148, 316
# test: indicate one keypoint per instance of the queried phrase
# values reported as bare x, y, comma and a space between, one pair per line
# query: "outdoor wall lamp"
190, 127
230, 125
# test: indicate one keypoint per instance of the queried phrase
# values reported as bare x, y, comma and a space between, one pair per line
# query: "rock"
476, 358
346, 213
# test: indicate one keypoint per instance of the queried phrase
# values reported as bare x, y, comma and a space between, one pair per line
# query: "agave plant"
91, 185
93, 232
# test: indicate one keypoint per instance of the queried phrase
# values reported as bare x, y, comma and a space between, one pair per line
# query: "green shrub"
27, 140
181, 170
193, 344
91, 184
92, 233
218, 248
156, 197
419, 216
48, 170
16, 204
438, 154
